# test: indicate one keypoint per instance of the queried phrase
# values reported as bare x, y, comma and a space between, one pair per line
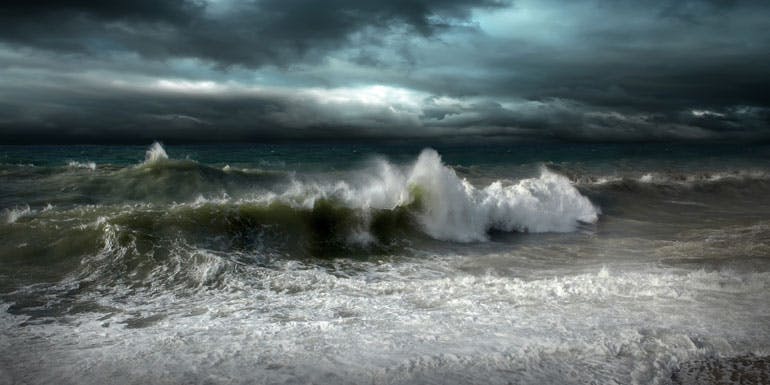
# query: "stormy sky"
230, 70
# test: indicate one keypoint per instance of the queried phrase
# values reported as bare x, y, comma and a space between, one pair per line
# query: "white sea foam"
682, 178
86, 165
405, 324
695, 177
646, 178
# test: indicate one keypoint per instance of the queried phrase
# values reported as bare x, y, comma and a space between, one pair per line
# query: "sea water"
406, 263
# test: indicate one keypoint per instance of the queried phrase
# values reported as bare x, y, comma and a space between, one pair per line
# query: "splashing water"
448, 207
155, 153
456, 210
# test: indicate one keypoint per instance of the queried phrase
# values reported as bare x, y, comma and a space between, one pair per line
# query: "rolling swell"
656, 185
175, 181
157, 182
176, 223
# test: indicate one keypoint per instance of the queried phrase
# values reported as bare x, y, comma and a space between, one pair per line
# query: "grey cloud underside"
583, 70
97, 114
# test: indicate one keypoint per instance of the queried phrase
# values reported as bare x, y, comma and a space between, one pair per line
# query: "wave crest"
448, 207
456, 210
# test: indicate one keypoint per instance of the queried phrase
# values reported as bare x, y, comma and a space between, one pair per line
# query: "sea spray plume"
155, 153
453, 209
448, 210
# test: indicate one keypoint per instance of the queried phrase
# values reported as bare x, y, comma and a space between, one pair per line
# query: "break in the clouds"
82, 71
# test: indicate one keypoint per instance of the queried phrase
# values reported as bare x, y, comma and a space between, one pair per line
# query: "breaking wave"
443, 205
13, 214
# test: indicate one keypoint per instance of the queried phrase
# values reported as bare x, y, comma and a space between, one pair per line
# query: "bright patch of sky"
530, 21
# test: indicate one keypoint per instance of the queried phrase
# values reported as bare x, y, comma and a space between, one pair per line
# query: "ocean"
365, 263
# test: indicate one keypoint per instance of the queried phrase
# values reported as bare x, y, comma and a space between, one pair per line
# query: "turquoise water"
372, 263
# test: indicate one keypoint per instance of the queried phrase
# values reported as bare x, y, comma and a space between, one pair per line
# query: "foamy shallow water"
406, 322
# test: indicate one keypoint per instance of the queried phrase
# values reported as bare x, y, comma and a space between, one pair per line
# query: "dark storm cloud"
233, 70
107, 10
248, 33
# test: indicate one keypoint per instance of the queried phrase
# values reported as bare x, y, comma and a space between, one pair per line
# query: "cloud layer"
251, 70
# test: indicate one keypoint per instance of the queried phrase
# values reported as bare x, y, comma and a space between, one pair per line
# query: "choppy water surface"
383, 264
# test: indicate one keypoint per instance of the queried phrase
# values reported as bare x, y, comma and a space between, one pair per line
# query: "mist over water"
381, 264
